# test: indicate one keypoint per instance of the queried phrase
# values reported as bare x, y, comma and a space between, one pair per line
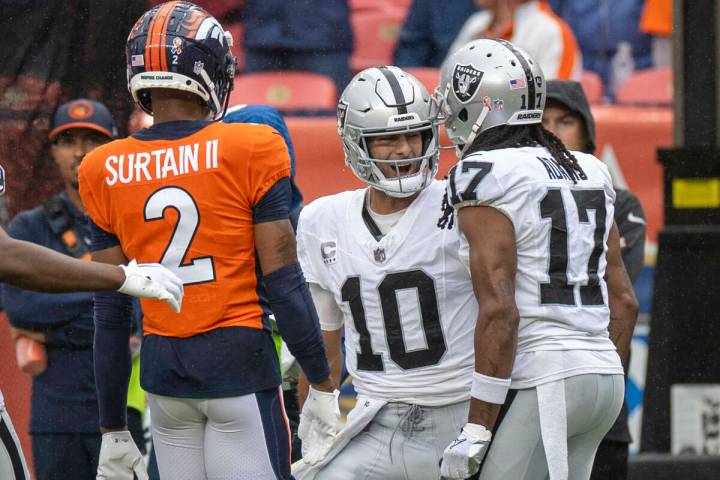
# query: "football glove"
462, 458
152, 280
120, 458
319, 423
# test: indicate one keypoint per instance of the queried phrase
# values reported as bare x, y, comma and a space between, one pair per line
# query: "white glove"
462, 458
120, 458
319, 423
152, 280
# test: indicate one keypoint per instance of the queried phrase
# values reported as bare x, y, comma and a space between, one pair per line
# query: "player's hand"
462, 458
120, 458
152, 280
319, 423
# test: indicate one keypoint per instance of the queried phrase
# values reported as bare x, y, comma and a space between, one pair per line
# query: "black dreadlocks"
507, 136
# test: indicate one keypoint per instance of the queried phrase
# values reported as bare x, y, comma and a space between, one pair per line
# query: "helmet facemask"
400, 184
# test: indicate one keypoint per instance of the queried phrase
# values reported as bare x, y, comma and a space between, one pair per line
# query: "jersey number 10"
387, 290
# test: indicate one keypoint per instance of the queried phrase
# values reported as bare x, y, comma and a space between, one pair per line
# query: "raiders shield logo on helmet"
466, 80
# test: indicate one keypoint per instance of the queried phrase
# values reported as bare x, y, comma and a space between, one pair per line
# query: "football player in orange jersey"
210, 201
30, 266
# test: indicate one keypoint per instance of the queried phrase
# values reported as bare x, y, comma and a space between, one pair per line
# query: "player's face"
70, 147
566, 125
396, 147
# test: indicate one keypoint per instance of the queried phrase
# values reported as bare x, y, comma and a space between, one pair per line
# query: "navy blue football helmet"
180, 46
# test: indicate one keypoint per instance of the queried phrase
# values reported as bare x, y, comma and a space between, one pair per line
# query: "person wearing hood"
567, 115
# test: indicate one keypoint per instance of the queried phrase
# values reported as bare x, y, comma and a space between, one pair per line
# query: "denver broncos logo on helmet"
191, 23
189, 46
80, 110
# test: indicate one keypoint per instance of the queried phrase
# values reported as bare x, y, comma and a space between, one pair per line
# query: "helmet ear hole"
463, 114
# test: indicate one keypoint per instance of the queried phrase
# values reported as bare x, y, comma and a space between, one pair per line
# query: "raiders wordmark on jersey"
561, 229
406, 298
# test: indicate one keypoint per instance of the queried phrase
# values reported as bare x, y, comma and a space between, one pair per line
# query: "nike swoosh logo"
635, 219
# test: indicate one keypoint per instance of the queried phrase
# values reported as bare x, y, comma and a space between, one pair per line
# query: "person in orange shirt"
532, 26
656, 20
210, 201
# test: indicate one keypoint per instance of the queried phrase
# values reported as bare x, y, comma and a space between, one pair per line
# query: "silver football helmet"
382, 101
487, 83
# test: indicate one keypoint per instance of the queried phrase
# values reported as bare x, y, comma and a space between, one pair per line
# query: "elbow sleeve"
111, 353
297, 320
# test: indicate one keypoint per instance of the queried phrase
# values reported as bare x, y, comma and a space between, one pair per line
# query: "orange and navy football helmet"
178, 45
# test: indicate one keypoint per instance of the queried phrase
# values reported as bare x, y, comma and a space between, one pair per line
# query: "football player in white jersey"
557, 309
384, 275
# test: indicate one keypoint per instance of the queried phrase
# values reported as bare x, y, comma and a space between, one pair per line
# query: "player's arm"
623, 304
493, 264
32, 267
288, 292
113, 323
297, 320
331, 321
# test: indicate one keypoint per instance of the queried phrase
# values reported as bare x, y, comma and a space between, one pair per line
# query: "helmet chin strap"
474, 131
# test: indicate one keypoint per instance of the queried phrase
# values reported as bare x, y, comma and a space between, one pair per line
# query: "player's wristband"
489, 389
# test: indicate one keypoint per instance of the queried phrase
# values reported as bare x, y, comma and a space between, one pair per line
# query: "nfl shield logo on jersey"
379, 254
466, 80
2, 181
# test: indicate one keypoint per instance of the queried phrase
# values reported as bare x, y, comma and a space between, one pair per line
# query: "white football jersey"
561, 230
407, 299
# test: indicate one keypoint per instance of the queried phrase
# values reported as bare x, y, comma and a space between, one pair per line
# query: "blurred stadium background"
64, 50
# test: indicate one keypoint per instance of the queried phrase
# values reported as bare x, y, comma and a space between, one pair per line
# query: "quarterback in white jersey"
379, 265
537, 233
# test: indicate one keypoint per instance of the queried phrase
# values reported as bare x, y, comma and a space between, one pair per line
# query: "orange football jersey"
188, 203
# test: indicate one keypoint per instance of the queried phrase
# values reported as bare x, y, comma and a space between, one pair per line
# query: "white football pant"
234, 438
592, 403
402, 442
12, 462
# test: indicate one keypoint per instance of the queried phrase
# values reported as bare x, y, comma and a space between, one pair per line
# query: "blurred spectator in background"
429, 30
567, 115
54, 52
610, 39
657, 21
310, 35
530, 25
58, 328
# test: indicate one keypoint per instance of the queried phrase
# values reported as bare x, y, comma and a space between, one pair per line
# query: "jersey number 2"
425, 286
196, 270
558, 291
